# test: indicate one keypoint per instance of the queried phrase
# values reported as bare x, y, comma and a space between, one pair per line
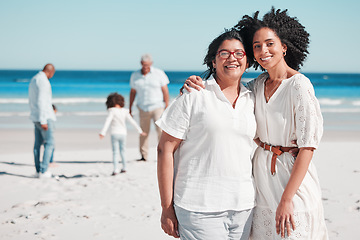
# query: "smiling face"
146, 65
230, 68
268, 49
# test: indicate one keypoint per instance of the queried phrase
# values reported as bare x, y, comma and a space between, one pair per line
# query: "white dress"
292, 113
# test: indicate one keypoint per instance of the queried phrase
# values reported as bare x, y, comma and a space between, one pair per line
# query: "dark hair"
214, 46
113, 99
288, 29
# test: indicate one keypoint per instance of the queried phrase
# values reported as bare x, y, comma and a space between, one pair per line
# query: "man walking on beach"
149, 84
43, 116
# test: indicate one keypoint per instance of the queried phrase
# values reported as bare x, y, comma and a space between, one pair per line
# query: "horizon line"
169, 70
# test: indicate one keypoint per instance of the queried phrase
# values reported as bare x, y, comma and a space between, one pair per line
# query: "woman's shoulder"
252, 85
190, 97
209, 83
299, 80
261, 78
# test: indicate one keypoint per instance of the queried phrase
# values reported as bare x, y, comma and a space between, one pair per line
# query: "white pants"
214, 225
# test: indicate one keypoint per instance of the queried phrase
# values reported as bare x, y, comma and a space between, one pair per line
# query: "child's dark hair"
288, 29
113, 99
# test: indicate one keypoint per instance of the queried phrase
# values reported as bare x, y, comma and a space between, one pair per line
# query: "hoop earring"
214, 70
254, 60
284, 53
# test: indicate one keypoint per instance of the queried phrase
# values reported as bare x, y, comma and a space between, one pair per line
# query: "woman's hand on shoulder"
192, 82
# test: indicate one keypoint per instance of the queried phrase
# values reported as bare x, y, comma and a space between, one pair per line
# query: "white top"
40, 99
292, 113
116, 119
149, 95
213, 169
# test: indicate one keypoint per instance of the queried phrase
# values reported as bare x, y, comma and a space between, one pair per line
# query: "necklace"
269, 95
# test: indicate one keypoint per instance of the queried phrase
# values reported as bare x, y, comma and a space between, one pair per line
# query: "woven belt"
277, 151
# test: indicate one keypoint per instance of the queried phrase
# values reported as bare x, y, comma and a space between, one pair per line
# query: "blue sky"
113, 34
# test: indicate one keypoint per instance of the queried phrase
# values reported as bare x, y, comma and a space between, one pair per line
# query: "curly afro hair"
288, 29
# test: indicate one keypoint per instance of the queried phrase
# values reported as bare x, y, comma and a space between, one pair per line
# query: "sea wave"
104, 113
78, 100
62, 114
340, 110
14, 100
55, 100
331, 102
324, 102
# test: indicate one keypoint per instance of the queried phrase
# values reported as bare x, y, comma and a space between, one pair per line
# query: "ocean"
83, 93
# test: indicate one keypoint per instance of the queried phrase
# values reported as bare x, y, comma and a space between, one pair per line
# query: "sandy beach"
85, 202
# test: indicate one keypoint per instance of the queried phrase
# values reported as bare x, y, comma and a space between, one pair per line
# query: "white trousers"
214, 225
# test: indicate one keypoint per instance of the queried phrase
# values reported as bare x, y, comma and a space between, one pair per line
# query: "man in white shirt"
149, 84
43, 116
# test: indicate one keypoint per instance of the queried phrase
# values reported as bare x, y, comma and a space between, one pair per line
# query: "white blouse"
292, 113
213, 169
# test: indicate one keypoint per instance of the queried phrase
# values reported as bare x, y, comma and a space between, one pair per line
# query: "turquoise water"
83, 93
95, 84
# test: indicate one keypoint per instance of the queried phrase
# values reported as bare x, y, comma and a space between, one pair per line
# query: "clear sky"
113, 34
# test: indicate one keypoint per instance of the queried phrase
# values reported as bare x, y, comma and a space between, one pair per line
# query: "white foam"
340, 110
14, 100
332, 102
14, 114
55, 100
89, 113
59, 114
356, 103
78, 100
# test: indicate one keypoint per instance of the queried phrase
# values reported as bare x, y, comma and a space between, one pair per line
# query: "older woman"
205, 151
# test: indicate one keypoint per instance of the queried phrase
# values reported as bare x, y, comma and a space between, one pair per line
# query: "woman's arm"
165, 171
284, 213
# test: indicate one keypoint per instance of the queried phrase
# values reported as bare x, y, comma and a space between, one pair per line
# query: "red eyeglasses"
225, 54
